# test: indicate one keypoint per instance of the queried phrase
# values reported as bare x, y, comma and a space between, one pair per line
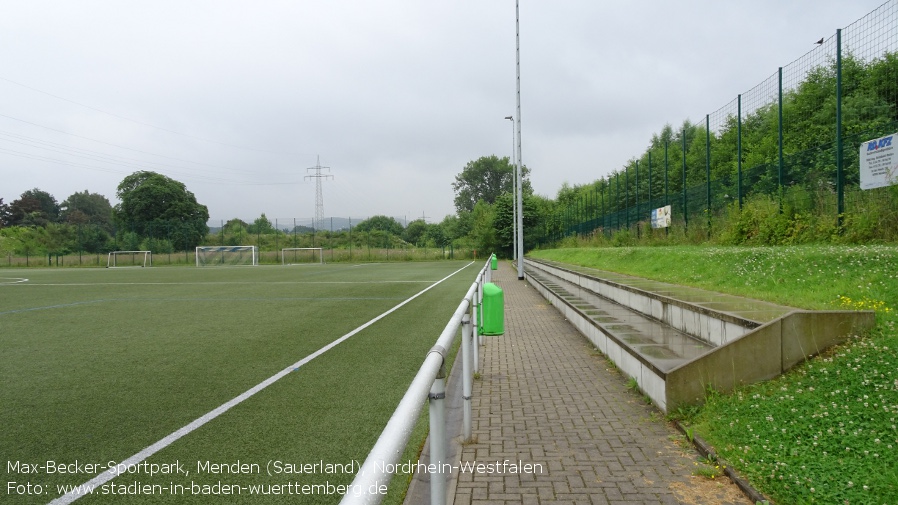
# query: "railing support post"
475, 305
467, 373
438, 441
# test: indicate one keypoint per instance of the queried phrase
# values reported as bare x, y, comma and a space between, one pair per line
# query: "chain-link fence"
173, 243
792, 140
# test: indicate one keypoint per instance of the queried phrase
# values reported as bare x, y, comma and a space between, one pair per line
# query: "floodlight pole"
519, 177
514, 192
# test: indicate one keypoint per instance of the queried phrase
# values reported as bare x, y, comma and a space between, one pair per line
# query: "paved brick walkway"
545, 397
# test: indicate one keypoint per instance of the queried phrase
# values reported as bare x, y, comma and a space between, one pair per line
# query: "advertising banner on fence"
661, 217
879, 163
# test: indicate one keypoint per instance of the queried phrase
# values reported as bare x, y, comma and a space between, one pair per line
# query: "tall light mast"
519, 176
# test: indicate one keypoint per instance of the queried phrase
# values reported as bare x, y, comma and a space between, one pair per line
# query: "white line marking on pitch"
215, 283
108, 475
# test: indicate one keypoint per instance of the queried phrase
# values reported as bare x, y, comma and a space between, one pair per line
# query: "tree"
235, 224
436, 235
87, 208
485, 179
260, 226
34, 208
235, 232
415, 231
5, 216
153, 205
483, 231
503, 221
381, 223
538, 213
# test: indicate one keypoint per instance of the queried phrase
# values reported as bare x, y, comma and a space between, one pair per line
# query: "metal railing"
373, 478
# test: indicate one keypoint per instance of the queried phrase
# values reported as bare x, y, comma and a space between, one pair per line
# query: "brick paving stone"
546, 399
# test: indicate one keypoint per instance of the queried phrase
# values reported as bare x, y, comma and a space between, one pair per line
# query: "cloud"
395, 96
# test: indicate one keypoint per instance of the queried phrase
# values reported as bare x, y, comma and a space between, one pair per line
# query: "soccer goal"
302, 255
124, 259
230, 255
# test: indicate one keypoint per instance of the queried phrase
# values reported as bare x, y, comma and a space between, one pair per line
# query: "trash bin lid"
491, 289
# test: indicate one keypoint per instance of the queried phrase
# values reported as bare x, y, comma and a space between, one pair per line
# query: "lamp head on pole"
510, 118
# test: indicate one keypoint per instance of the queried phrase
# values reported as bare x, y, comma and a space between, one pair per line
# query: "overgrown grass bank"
827, 431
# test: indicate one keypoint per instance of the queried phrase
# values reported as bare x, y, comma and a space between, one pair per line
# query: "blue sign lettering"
883, 142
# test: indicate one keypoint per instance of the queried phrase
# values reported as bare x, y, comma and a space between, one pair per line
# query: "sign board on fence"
879, 162
661, 217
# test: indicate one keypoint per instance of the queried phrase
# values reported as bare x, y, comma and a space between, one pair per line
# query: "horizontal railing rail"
373, 478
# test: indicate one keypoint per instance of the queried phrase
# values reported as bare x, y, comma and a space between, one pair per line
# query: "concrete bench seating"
677, 342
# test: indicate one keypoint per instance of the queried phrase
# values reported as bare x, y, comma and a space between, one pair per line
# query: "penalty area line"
102, 478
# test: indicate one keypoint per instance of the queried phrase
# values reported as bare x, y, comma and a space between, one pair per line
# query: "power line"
118, 146
141, 122
111, 144
202, 178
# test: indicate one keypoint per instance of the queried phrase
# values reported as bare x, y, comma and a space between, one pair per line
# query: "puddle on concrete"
658, 351
635, 338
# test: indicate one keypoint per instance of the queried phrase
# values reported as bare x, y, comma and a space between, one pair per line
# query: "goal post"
230, 255
125, 259
302, 255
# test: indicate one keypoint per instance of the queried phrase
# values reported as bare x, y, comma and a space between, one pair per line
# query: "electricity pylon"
319, 196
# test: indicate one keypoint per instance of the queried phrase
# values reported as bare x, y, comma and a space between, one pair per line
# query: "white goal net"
302, 255
227, 255
122, 259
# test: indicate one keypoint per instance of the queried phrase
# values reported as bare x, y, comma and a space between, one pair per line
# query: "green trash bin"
492, 310
494, 263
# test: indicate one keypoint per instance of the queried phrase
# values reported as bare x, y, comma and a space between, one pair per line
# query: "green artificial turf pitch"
98, 364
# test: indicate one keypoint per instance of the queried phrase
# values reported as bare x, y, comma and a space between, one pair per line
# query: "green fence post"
617, 205
650, 182
840, 182
685, 207
708, 167
666, 187
595, 206
637, 197
780, 137
666, 166
627, 195
739, 148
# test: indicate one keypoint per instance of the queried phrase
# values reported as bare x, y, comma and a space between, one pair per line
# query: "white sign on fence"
879, 163
661, 217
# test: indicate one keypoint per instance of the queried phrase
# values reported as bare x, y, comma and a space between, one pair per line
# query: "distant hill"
327, 224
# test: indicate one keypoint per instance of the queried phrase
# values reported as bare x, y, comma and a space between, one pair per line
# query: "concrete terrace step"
664, 347
679, 342
715, 318
754, 311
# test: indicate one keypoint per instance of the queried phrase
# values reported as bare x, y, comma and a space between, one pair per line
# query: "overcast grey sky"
238, 99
